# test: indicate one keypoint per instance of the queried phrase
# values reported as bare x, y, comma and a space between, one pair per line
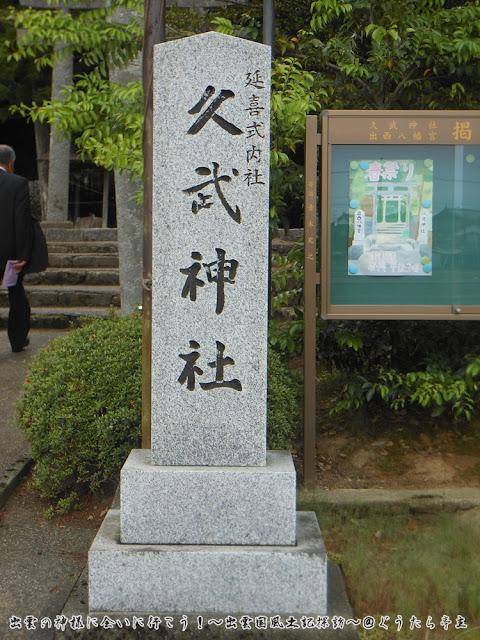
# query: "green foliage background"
329, 54
432, 365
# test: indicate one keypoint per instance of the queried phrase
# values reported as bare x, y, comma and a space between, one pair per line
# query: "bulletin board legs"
310, 299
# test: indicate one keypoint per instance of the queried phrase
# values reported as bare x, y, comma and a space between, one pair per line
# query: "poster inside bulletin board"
400, 214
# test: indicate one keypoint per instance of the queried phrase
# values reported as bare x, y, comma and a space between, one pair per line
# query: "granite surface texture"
208, 505
210, 251
196, 578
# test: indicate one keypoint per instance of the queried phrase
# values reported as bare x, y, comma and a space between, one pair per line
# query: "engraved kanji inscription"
210, 113
219, 271
203, 201
191, 370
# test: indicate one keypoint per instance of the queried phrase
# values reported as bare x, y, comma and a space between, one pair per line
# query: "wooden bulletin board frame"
373, 130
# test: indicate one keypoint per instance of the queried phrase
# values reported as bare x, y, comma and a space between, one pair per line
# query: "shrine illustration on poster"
390, 219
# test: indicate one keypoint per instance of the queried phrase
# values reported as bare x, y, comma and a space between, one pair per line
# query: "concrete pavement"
13, 369
38, 560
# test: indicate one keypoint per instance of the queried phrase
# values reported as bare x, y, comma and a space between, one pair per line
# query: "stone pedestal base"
208, 505
195, 578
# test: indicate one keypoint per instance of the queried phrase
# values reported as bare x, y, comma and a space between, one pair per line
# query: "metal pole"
106, 193
269, 39
154, 33
310, 299
269, 23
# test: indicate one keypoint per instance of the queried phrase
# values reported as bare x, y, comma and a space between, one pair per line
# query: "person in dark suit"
16, 238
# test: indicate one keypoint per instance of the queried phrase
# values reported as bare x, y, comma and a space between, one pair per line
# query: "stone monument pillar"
359, 221
208, 515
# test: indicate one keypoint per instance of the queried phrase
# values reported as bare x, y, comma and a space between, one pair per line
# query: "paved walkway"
38, 565
40, 560
13, 370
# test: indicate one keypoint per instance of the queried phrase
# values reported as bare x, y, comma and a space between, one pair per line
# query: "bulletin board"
400, 215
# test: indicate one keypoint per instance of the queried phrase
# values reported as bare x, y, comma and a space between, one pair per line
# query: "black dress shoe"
25, 345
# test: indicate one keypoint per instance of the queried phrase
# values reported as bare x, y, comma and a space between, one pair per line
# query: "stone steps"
64, 276
83, 247
62, 317
80, 235
68, 295
83, 260
82, 278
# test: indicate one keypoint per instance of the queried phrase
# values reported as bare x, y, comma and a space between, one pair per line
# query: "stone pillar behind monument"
59, 151
129, 211
207, 515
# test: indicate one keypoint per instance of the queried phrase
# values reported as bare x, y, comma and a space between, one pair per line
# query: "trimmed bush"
81, 408
283, 396
428, 364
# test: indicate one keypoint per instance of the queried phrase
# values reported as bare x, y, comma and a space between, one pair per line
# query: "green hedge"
285, 389
427, 364
81, 407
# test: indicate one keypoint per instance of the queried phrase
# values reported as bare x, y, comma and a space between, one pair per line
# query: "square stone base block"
208, 505
194, 579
